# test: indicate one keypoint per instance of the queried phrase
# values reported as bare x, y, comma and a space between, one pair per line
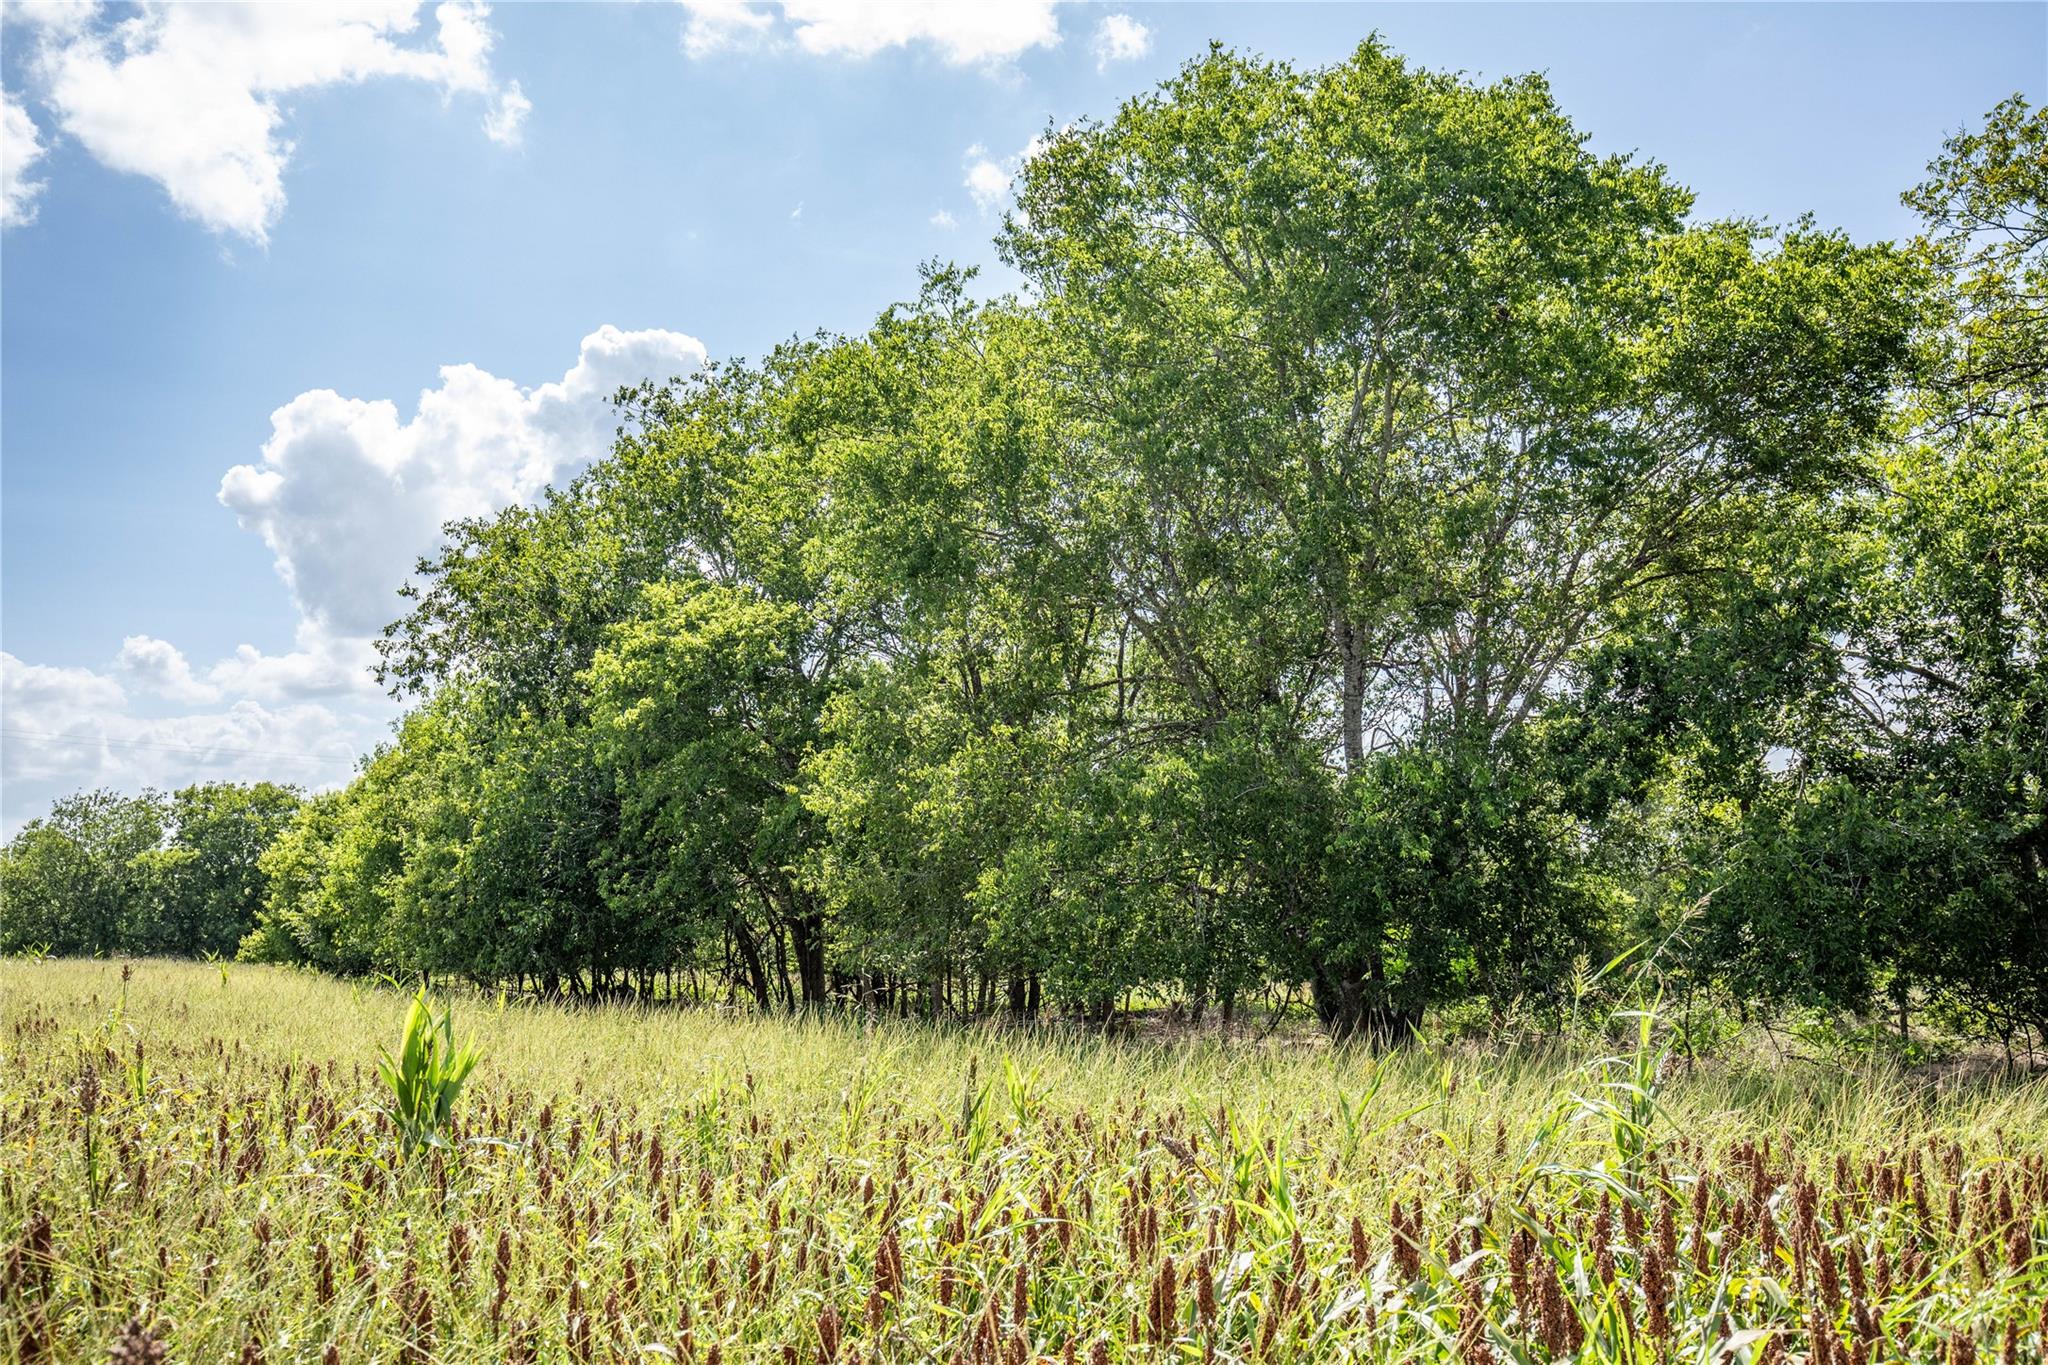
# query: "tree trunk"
807, 933
750, 958
1352, 696
1352, 1001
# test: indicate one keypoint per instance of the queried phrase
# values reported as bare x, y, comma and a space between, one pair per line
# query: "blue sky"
241, 246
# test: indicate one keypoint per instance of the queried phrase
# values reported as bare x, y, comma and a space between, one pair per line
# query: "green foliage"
1457, 876
1906, 851
427, 1075
703, 709
201, 894
1983, 205
105, 874
1388, 549
71, 881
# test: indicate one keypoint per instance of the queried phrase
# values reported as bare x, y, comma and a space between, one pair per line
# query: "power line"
168, 746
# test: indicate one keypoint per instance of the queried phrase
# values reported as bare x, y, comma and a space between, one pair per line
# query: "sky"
284, 288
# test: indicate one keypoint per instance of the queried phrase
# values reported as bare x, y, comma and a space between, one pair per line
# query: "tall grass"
629, 1185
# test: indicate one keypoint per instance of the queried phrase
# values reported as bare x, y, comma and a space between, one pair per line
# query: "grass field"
198, 1160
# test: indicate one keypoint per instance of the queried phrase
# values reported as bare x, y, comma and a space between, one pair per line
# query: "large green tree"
70, 882
1391, 398
202, 891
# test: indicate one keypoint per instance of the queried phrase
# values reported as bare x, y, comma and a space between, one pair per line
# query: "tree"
1899, 855
1954, 629
1986, 222
1388, 547
705, 706
1391, 397
202, 891
330, 875
70, 883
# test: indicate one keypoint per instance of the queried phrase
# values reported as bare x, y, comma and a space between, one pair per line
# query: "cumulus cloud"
321, 667
20, 149
349, 494
161, 667
58, 697
988, 180
188, 95
72, 728
148, 720
1120, 38
943, 219
722, 25
989, 32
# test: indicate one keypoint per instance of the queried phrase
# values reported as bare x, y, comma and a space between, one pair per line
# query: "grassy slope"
817, 1172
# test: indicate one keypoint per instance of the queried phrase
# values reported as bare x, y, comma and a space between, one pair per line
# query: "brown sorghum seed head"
137, 1345
828, 1335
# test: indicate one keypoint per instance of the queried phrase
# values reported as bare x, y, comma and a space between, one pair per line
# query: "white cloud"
1120, 38
160, 667
322, 666
797, 212
962, 32
48, 16
943, 219
20, 149
188, 94
54, 695
722, 25
507, 118
348, 494
71, 728
988, 179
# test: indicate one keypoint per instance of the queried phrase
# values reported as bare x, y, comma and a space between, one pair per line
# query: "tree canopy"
1384, 548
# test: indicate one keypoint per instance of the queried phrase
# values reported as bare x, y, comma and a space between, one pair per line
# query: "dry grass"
206, 1165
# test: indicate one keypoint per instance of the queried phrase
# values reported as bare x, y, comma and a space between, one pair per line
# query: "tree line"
178, 875
1384, 549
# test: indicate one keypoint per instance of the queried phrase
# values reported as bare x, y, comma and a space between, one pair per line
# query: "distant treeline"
105, 874
1386, 549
